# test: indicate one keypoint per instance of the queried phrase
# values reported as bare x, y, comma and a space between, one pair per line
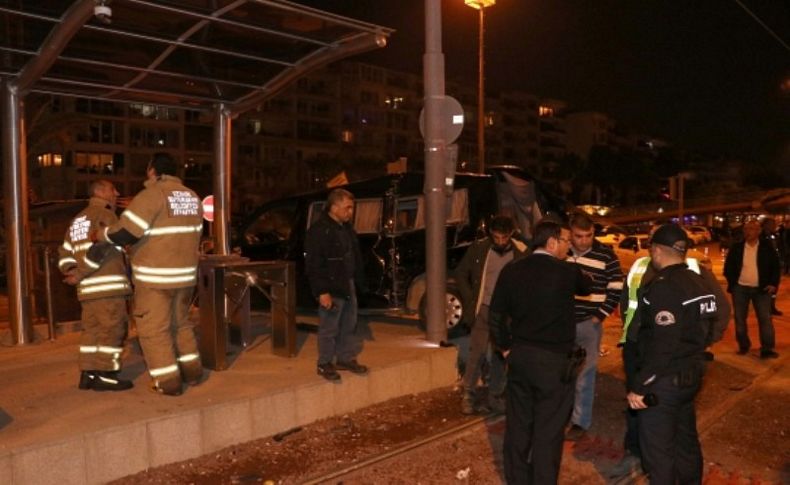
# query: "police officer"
163, 224
536, 294
673, 308
102, 290
640, 274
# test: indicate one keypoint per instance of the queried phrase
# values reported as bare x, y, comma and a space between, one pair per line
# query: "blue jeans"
588, 336
741, 296
337, 326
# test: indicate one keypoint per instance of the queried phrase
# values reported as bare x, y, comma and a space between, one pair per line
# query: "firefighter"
163, 225
102, 290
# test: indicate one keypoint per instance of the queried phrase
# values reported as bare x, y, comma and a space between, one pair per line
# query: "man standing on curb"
333, 263
476, 276
102, 289
163, 224
602, 265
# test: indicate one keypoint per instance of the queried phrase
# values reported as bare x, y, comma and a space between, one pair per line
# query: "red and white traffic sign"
208, 208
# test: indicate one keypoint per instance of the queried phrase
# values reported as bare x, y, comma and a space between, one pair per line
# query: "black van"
390, 221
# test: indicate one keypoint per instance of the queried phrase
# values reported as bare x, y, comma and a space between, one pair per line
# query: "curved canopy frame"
222, 55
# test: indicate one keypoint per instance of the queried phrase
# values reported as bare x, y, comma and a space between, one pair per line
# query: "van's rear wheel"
453, 312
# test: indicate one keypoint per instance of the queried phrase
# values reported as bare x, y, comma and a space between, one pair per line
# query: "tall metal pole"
16, 227
481, 110
222, 174
435, 154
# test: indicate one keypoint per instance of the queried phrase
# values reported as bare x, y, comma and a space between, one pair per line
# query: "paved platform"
51, 432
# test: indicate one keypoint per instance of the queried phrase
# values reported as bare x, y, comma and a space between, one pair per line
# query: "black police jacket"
674, 309
328, 247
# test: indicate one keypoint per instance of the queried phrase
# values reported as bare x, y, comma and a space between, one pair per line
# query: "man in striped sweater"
600, 262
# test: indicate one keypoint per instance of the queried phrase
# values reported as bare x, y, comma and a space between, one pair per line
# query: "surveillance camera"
103, 13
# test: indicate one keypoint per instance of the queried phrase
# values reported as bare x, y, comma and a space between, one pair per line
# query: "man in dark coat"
752, 272
537, 295
476, 276
333, 264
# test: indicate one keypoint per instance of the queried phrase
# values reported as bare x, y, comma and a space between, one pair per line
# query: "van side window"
367, 216
458, 207
409, 214
272, 226
316, 208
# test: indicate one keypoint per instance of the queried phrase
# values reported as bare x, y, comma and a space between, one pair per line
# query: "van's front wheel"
453, 312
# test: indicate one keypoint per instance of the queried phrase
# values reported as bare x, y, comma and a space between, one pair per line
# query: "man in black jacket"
537, 294
672, 308
333, 264
752, 272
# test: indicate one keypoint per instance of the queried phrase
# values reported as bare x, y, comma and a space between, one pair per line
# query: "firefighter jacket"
97, 279
163, 223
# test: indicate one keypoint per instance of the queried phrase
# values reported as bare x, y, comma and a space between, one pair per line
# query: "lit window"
347, 136
50, 160
546, 111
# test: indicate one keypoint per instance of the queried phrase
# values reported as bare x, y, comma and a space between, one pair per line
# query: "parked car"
698, 234
390, 221
636, 246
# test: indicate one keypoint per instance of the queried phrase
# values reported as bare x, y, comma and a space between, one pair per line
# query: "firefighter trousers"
166, 335
104, 326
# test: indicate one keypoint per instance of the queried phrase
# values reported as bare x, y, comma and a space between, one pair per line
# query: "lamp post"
481, 5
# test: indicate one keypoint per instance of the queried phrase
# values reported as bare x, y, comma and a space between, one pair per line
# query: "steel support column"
15, 212
222, 174
435, 198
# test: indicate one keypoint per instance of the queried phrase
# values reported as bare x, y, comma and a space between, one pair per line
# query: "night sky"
703, 74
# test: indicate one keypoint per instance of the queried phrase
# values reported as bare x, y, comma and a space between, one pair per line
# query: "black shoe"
328, 372
353, 366
743, 351
575, 433
707, 355
776, 312
768, 354
103, 381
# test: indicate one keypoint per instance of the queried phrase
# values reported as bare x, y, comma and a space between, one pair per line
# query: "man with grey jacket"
476, 276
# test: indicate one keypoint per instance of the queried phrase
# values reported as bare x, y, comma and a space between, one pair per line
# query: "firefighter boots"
103, 381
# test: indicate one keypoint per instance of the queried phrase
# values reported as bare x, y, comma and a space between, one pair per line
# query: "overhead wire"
763, 25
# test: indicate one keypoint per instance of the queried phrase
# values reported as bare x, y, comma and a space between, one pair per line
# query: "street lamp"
481, 5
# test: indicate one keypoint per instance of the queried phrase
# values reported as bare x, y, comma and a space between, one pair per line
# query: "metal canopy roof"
189, 53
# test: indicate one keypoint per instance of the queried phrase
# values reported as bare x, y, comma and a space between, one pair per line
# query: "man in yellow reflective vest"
640, 274
163, 224
102, 290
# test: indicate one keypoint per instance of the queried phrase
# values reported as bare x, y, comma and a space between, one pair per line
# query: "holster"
576, 359
688, 377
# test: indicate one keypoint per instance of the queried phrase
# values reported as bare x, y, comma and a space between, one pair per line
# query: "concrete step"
51, 432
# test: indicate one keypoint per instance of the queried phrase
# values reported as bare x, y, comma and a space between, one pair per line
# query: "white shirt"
749, 276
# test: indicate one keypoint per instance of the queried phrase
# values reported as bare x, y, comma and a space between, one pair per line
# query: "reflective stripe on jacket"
166, 217
96, 280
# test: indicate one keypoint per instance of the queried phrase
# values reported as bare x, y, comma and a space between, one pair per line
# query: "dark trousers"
337, 330
478, 348
631, 438
671, 452
538, 408
741, 297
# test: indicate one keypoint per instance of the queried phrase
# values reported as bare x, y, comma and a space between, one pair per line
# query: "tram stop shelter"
223, 56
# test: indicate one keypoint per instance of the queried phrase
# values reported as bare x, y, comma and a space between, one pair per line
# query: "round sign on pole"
208, 208
451, 117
